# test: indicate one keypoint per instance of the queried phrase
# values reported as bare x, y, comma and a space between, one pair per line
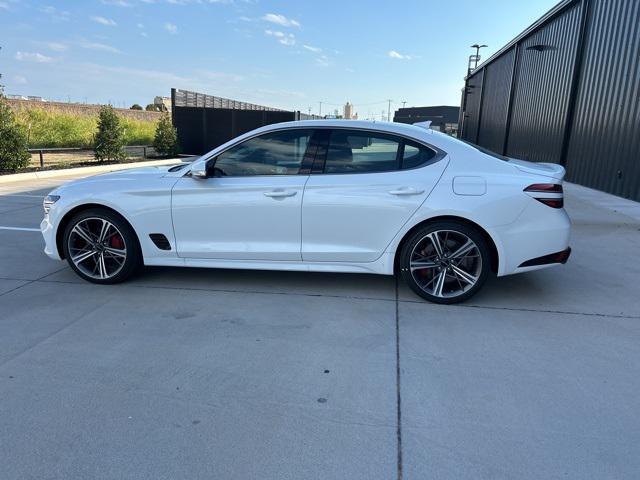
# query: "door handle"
280, 193
406, 191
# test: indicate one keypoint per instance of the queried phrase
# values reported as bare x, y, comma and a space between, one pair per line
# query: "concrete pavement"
187, 373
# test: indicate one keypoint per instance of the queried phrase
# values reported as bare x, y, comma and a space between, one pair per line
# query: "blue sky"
287, 54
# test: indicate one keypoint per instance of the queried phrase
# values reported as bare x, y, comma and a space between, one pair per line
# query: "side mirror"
199, 169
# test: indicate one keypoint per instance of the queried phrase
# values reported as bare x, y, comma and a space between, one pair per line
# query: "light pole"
475, 58
389, 110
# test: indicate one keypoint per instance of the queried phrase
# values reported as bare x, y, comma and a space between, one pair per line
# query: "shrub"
135, 106
165, 142
109, 140
13, 140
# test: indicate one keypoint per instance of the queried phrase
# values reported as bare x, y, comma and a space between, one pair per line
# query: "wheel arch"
495, 257
64, 221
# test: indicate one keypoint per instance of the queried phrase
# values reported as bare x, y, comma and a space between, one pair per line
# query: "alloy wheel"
97, 248
445, 263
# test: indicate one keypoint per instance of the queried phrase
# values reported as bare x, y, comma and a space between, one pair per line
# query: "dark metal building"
566, 90
444, 118
204, 122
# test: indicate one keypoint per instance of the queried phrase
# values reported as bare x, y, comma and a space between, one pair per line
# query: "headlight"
48, 201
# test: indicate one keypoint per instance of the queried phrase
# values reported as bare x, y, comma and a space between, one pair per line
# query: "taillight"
551, 188
544, 188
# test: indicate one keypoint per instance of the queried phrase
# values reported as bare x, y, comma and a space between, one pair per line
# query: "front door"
249, 207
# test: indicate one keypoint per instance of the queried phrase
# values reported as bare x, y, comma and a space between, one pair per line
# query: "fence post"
41, 160
144, 152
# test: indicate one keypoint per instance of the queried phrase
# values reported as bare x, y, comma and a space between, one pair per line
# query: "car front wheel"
101, 246
445, 262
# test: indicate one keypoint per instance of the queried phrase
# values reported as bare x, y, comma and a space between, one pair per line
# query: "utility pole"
389, 110
475, 58
320, 113
404, 102
309, 111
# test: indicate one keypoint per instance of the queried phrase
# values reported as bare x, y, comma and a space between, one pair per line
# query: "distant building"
443, 118
348, 111
166, 101
17, 97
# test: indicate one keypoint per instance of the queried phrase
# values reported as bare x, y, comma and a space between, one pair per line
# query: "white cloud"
19, 80
100, 47
140, 25
56, 46
323, 61
312, 49
55, 14
397, 55
4, 5
280, 20
117, 3
284, 38
171, 28
103, 21
33, 57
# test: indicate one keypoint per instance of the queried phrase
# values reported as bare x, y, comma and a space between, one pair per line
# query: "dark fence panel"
204, 122
541, 97
604, 145
471, 119
495, 103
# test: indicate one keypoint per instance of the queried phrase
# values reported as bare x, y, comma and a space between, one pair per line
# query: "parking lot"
186, 373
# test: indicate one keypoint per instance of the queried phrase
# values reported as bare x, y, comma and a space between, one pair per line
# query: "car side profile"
323, 196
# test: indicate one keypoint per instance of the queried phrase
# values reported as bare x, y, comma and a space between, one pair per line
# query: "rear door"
364, 187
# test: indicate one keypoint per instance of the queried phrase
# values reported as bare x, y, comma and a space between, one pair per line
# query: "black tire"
133, 257
420, 248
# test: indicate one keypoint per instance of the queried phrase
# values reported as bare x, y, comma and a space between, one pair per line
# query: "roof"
391, 127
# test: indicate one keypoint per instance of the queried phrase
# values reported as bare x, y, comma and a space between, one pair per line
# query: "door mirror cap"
199, 169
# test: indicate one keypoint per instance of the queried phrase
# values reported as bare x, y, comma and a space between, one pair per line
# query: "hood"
551, 170
158, 170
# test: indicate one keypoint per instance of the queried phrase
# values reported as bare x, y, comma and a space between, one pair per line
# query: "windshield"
485, 150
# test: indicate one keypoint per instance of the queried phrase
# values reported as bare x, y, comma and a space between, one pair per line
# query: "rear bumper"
558, 257
539, 238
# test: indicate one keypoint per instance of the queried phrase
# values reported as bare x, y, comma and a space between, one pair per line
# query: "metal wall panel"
495, 102
604, 142
472, 111
543, 81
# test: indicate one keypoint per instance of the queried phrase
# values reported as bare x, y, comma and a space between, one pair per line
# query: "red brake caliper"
116, 242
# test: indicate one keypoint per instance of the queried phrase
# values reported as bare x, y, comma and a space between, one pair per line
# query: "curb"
64, 172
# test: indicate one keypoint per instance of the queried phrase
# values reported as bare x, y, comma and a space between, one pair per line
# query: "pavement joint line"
398, 391
348, 297
54, 333
20, 229
29, 282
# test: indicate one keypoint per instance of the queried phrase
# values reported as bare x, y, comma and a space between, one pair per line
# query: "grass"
49, 129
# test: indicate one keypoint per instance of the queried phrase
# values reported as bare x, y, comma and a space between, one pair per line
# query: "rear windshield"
485, 150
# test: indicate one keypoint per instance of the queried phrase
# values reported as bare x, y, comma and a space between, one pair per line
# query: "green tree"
135, 106
13, 140
165, 142
109, 141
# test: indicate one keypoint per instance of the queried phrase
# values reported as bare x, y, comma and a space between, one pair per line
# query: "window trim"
321, 146
322, 162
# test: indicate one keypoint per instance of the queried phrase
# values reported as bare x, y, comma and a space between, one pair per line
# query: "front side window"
275, 153
352, 151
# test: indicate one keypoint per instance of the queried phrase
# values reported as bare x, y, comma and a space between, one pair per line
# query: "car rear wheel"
445, 262
101, 246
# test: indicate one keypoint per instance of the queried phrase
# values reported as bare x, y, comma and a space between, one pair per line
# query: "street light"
475, 58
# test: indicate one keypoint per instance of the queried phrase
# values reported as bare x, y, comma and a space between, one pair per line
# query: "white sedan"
324, 196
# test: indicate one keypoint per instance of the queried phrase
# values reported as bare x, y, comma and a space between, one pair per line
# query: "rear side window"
352, 151
415, 155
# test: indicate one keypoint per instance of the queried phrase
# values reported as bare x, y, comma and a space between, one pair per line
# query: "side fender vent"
160, 241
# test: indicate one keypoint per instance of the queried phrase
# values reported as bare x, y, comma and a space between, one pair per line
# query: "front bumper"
49, 235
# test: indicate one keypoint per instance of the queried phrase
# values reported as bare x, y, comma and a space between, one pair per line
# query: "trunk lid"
551, 170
